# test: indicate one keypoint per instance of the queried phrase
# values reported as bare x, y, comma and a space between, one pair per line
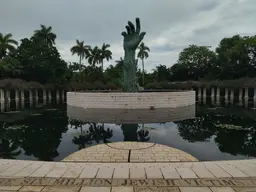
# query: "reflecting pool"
53, 131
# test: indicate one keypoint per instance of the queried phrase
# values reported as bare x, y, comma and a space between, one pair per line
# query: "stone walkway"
135, 152
214, 176
218, 176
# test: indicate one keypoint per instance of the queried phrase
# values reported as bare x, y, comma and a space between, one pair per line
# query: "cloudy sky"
171, 25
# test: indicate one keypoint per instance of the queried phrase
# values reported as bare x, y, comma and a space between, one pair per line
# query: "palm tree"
82, 140
143, 54
94, 56
81, 50
7, 44
105, 53
45, 34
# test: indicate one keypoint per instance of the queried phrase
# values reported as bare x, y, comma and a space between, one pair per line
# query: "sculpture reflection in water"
95, 132
128, 120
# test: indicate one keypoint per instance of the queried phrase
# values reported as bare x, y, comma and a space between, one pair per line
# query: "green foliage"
143, 54
37, 63
7, 44
196, 61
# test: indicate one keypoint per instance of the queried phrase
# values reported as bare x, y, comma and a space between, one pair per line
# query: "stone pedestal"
57, 95
199, 94
204, 93
232, 96
212, 93
7, 96
2, 106
240, 93
36, 95
63, 95
44, 94
22, 95
16, 95
49, 95
1, 95
246, 95
30, 96
226, 94
218, 96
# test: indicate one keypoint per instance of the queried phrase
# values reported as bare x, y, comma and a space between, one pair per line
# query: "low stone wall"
141, 100
131, 116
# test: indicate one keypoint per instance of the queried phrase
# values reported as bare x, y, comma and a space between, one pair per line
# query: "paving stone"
14, 169
4, 166
32, 188
28, 170
95, 189
153, 173
105, 173
137, 173
246, 189
222, 189
121, 173
43, 170
58, 170
195, 189
216, 170
186, 173
60, 189
10, 188
247, 170
202, 172
89, 172
72, 173
122, 189
170, 173
232, 170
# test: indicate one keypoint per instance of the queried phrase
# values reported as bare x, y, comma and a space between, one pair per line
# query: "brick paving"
136, 152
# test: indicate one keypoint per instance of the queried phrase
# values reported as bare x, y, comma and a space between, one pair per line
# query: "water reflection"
53, 131
131, 116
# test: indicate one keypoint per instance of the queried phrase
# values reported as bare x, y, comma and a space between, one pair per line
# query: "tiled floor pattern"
130, 152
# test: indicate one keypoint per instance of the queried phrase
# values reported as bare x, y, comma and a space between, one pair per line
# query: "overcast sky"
171, 25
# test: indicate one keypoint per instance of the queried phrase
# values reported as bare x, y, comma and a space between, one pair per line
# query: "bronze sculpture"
132, 39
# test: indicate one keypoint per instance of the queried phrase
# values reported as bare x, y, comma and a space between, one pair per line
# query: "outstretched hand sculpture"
132, 39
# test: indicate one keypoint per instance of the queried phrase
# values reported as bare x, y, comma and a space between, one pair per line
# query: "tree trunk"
142, 72
80, 61
102, 66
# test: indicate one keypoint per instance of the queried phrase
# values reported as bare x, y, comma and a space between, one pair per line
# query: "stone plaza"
128, 167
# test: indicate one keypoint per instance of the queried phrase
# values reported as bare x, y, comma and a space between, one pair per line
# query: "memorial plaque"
129, 182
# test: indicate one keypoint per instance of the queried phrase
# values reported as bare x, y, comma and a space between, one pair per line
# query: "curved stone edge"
115, 145
137, 100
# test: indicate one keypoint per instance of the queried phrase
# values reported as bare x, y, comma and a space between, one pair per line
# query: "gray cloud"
170, 25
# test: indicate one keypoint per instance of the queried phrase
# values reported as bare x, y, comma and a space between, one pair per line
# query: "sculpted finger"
142, 35
128, 29
137, 25
124, 33
131, 26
